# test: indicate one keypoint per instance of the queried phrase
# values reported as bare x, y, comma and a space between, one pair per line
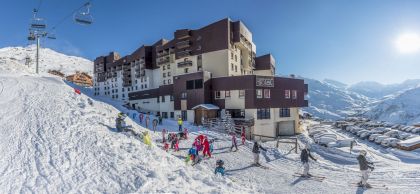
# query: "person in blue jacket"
220, 169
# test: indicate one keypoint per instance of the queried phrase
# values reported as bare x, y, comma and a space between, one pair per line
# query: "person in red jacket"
176, 143
243, 135
206, 149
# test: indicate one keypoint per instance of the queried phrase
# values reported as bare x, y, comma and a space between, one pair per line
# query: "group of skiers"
204, 144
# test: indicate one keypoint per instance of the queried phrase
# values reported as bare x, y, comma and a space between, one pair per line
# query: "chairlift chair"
83, 16
37, 22
31, 36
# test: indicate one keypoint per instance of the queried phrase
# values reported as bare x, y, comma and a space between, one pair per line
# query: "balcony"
183, 54
183, 44
184, 64
163, 61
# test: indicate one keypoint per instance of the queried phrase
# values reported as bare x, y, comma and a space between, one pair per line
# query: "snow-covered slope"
403, 108
330, 100
53, 141
12, 59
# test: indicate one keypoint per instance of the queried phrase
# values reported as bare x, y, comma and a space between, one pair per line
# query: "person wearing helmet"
365, 166
119, 122
304, 158
256, 153
220, 169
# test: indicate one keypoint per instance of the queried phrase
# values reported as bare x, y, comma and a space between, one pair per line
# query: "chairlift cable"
69, 15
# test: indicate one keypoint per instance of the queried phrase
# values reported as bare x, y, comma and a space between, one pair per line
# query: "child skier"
234, 142
243, 135
304, 158
147, 120
141, 118
163, 135
256, 152
186, 133
211, 145
176, 146
192, 155
206, 148
155, 122
147, 139
165, 146
365, 168
220, 169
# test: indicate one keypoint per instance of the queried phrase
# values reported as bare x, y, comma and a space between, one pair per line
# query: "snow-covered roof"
410, 142
207, 106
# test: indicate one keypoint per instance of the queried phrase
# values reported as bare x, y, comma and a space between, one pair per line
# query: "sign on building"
265, 81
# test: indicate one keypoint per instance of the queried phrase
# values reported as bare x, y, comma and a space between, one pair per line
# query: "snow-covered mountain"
12, 59
403, 108
379, 91
330, 99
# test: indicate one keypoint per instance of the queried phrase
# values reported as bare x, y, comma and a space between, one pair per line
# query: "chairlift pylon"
83, 16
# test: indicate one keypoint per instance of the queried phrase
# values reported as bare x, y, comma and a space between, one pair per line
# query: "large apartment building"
205, 73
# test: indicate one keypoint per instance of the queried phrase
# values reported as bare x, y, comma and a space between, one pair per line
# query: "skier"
256, 152
147, 139
160, 120
197, 144
147, 120
206, 148
163, 135
90, 102
134, 115
234, 142
179, 124
220, 169
119, 122
185, 133
141, 118
211, 145
176, 144
165, 146
155, 122
192, 155
243, 135
365, 166
304, 158
173, 140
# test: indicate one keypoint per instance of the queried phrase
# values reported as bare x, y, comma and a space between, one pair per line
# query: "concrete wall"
216, 62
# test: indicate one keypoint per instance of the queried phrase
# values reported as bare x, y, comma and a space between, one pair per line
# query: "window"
169, 81
199, 63
266, 93
136, 81
241, 93
158, 99
184, 115
168, 67
169, 74
186, 70
164, 115
198, 83
164, 74
145, 86
163, 99
236, 113
172, 115
190, 84
294, 94
284, 112
123, 95
217, 94
231, 55
236, 68
236, 58
287, 94
164, 67
227, 93
184, 95
136, 88
142, 86
263, 113
127, 89
231, 66
259, 93
171, 98
164, 81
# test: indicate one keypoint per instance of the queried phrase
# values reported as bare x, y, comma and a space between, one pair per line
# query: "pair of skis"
310, 177
371, 186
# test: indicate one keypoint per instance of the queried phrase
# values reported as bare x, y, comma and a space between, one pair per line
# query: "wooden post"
296, 146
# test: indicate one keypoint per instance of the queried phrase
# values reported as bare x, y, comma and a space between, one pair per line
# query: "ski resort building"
202, 74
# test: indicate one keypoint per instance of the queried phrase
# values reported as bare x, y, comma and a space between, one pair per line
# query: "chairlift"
37, 22
31, 36
83, 17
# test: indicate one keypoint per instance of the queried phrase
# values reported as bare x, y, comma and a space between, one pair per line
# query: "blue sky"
349, 41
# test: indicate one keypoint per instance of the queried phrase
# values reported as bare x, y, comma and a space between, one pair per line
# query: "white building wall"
234, 102
216, 62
